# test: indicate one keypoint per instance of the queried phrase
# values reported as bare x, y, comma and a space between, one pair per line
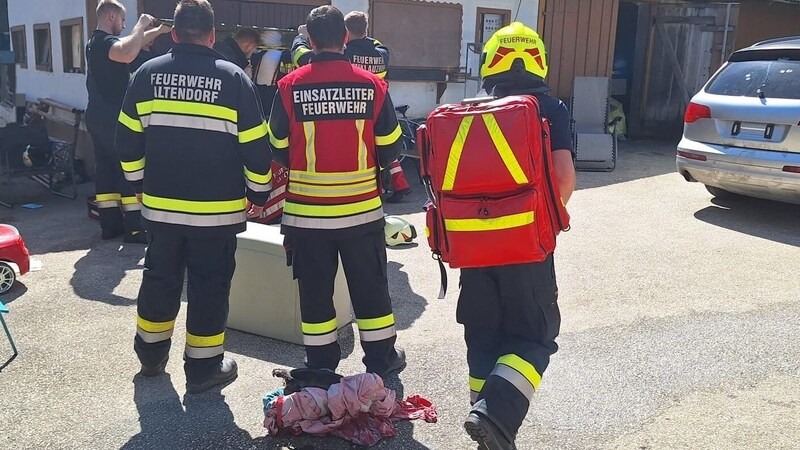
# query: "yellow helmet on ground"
514, 48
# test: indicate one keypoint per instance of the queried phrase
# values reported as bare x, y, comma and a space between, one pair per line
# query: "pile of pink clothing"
358, 409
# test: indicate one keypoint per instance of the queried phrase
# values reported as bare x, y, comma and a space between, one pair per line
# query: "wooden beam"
673, 59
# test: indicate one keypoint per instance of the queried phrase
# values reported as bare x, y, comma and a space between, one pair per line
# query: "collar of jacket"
194, 48
329, 56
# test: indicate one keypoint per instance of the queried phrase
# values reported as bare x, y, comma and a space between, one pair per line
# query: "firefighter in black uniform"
372, 56
107, 57
239, 47
332, 124
193, 142
510, 313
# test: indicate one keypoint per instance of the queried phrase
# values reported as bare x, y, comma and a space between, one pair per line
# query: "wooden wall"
580, 36
760, 20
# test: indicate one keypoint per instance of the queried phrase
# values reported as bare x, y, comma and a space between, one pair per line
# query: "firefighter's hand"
139, 197
147, 21
253, 210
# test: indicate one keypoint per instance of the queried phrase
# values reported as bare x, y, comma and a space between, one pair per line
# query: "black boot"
488, 434
155, 369
396, 365
226, 373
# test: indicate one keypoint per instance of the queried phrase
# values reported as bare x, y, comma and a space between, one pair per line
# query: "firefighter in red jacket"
510, 313
370, 55
332, 124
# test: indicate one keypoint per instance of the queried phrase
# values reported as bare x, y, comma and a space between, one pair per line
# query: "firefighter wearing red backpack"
499, 171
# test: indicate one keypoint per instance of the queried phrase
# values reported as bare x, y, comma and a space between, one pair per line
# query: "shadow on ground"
769, 220
407, 305
206, 422
654, 158
98, 273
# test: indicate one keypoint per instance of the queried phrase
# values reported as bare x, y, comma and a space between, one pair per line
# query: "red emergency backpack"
488, 170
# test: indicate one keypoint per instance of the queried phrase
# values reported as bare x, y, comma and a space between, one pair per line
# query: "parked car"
14, 257
742, 130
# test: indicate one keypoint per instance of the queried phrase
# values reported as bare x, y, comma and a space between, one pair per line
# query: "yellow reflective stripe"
257, 177
523, 367
311, 151
299, 53
277, 143
455, 153
496, 223
476, 384
205, 341
362, 146
107, 197
132, 166
340, 190
376, 323
501, 144
257, 132
191, 206
129, 200
154, 327
319, 328
130, 122
381, 74
390, 138
332, 210
187, 108
333, 177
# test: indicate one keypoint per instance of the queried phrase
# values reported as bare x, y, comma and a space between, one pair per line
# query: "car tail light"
694, 156
792, 169
695, 112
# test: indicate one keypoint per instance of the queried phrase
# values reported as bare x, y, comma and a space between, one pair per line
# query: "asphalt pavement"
681, 317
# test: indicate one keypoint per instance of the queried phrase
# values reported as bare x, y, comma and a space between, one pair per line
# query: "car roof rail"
777, 40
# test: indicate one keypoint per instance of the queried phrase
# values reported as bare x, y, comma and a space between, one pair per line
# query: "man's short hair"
194, 20
108, 6
247, 35
356, 23
325, 26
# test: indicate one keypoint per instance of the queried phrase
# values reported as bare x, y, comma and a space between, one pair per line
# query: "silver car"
742, 130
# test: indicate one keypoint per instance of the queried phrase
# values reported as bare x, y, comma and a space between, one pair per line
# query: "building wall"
70, 88
760, 20
67, 88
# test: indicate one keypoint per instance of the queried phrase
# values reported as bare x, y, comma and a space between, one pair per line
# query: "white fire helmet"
398, 231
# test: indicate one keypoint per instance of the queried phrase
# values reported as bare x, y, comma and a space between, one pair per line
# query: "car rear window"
776, 79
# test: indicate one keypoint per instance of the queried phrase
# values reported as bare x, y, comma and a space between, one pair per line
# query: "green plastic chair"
4, 310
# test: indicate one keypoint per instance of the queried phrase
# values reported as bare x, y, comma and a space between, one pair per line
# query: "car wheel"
7, 277
720, 193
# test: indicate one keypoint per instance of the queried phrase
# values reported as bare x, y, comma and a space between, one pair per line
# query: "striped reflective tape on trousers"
107, 200
329, 223
152, 332
193, 220
376, 329
321, 210
518, 372
203, 347
475, 388
131, 204
134, 176
357, 176
318, 334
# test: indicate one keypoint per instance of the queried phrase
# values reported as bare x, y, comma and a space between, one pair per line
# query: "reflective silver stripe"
151, 338
273, 208
320, 339
395, 170
194, 220
204, 352
132, 207
193, 122
135, 176
377, 335
332, 223
517, 379
258, 187
108, 204
278, 191
473, 396
333, 177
